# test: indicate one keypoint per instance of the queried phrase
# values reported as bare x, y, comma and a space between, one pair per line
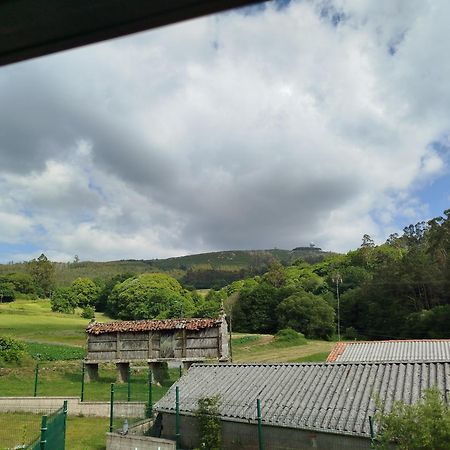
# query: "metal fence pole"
260, 433
177, 417
111, 410
82, 383
150, 394
129, 383
36, 376
43, 440
65, 420
181, 371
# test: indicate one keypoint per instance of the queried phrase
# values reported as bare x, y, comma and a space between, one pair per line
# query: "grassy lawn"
82, 433
33, 320
63, 378
262, 348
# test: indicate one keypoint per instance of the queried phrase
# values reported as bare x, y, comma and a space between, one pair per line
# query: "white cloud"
271, 129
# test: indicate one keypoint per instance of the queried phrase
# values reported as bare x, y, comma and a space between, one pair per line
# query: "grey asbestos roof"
407, 350
335, 398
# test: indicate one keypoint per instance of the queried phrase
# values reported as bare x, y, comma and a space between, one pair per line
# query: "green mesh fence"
53, 431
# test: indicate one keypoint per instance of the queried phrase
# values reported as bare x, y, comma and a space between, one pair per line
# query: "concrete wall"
133, 442
245, 436
75, 406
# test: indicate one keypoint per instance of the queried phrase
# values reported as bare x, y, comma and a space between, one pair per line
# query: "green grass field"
33, 320
262, 348
82, 433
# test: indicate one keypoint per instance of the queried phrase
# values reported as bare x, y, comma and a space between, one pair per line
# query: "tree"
84, 292
63, 301
42, 272
308, 314
254, 310
424, 425
20, 282
7, 293
148, 296
106, 289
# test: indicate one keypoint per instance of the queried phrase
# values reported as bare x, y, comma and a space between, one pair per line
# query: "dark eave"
32, 28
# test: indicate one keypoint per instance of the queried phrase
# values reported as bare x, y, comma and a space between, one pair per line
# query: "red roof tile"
150, 325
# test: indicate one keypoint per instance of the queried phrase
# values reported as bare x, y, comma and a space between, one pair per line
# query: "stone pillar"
91, 372
160, 372
122, 372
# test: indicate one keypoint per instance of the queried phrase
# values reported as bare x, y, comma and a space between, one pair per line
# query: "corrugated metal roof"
399, 350
335, 398
151, 325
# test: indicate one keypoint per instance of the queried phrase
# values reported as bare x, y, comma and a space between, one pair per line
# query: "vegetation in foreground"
423, 425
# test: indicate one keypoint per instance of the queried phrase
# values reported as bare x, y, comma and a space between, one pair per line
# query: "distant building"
319, 405
396, 350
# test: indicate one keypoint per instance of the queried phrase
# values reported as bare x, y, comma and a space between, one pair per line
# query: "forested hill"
205, 270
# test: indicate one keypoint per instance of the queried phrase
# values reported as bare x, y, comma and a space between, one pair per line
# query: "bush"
63, 301
424, 425
209, 423
289, 337
88, 312
7, 293
11, 350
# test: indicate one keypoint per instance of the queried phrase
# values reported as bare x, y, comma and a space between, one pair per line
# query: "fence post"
150, 395
43, 441
181, 371
177, 417
36, 376
111, 410
260, 434
65, 420
82, 383
129, 383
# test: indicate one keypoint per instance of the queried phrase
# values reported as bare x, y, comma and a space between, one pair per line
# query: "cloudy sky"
266, 127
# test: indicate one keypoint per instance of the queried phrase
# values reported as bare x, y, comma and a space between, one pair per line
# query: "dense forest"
399, 289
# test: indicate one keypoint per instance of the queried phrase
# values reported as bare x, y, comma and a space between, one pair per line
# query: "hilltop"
204, 270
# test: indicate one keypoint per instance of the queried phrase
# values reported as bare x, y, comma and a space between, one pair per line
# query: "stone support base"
122, 372
91, 373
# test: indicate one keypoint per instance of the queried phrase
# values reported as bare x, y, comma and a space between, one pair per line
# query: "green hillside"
204, 270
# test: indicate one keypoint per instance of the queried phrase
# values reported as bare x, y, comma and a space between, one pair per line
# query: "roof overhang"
32, 28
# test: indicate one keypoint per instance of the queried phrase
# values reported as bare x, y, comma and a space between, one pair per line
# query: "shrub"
209, 423
88, 312
424, 425
288, 336
11, 350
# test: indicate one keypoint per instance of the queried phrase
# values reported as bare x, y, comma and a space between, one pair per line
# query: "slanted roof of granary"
152, 325
327, 397
395, 350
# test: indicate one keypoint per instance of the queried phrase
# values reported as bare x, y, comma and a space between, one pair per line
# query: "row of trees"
37, 281
293, 297
400, 289
129, 297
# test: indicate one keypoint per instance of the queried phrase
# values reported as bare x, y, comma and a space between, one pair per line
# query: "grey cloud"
284, 131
